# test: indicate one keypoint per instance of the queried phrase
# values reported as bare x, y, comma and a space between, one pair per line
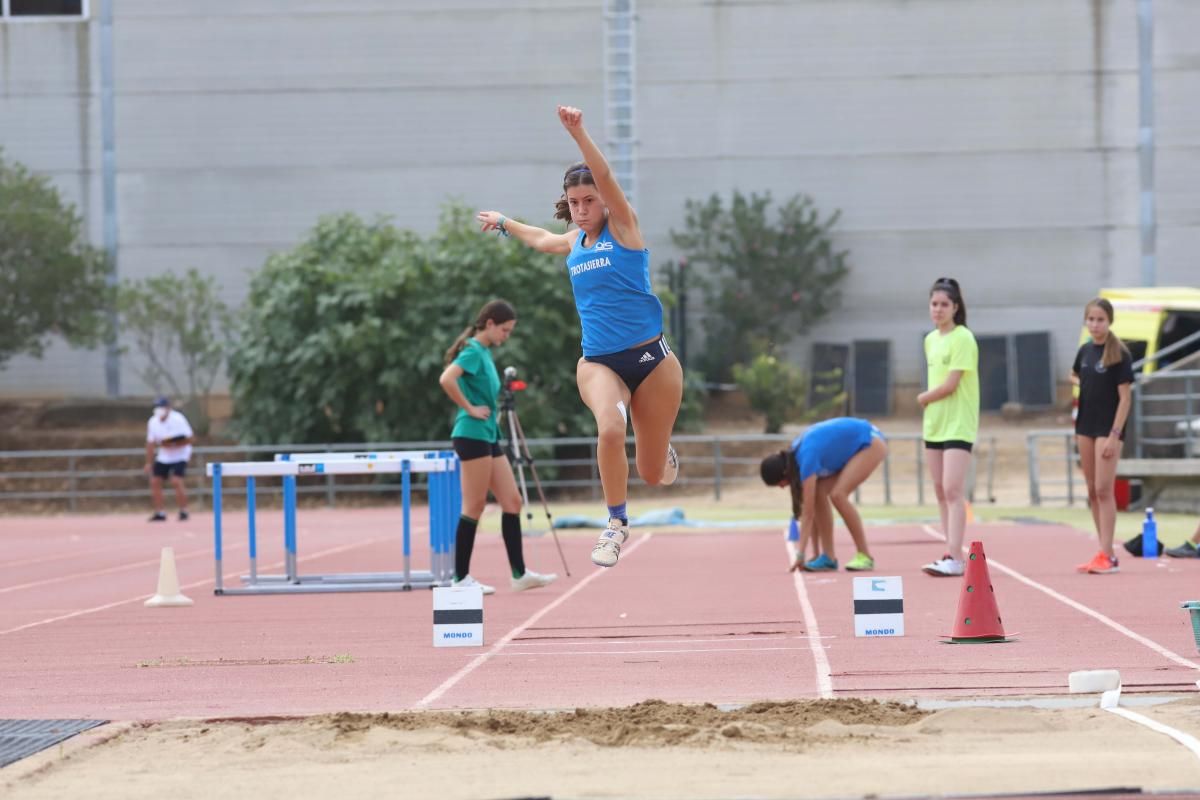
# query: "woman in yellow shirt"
951, 422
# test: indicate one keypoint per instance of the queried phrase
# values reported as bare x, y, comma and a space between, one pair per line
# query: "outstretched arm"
620, 214
539, 239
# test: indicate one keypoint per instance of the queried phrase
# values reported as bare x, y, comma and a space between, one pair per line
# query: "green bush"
694, 403
779, 390
54, 282
765, 282
177, 322
342, 337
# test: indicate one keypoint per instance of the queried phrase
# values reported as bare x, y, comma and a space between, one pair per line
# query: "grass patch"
1172, 528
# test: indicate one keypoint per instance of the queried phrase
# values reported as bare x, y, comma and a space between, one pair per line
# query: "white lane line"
142, 597
820, 659
63, 557
110, 570
651, 652
1080, 607
483, 658
1187, 740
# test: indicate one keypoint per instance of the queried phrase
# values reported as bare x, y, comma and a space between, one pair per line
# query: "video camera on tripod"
519, 455
508, 386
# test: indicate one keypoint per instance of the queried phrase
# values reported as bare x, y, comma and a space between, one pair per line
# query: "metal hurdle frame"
445, 502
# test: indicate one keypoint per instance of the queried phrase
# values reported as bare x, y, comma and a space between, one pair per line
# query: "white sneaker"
532, 580
608, 546
944, 567
469, 581
672, 469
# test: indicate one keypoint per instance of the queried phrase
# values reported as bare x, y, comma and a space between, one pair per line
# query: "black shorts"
635, 364
162, 470
1097, 434
471, 449
951, 444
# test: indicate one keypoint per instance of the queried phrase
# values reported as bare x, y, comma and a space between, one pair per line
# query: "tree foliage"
765, 281
342, 337
180, 327
52, 282
779, 391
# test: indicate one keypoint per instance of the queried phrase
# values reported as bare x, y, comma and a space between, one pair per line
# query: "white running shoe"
608, 546
671, 472
944, 567
469, 581
532, 580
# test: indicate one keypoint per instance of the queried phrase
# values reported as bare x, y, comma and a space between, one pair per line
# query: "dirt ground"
833, 748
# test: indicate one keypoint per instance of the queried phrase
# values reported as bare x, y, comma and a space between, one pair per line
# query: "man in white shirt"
169, 431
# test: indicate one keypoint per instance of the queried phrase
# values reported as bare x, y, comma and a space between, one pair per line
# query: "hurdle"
441, 554
442, 468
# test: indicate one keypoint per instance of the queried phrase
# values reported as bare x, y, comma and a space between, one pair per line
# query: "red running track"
687, 616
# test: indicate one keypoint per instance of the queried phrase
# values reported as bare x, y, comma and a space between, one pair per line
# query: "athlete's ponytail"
498, 311
1114, 348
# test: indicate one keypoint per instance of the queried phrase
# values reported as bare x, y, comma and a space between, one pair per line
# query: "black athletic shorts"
952, 444
162, 470
636, 363
470, 449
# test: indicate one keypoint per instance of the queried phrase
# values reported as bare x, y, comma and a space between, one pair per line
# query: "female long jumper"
628, 372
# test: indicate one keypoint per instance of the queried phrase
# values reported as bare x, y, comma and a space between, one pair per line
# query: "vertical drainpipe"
112, 355
1146, 139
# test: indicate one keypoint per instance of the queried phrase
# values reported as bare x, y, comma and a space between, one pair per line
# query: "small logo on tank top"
603, 246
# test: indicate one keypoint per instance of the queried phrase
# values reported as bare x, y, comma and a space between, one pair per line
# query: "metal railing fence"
565, 465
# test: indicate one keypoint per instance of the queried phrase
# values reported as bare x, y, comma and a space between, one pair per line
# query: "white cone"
168, 584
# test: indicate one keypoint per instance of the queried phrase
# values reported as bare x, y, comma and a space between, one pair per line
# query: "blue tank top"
825, 447
617, 308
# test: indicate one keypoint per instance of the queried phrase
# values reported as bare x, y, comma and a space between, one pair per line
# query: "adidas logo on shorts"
645, 357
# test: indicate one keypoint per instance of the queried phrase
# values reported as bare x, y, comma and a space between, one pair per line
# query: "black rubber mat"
20, 738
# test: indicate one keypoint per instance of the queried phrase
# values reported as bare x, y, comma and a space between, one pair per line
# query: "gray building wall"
990, 140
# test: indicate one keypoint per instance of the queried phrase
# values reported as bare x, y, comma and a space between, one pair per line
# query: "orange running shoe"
1101, 564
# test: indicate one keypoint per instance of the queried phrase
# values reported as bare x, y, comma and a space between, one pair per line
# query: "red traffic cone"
978, 618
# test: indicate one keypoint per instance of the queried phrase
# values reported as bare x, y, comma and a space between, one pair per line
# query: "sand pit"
650, 750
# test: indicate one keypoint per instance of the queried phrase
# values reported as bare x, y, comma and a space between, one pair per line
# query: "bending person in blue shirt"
627, 374
824, 466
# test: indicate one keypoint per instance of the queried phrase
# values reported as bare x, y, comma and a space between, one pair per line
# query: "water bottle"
1149, 535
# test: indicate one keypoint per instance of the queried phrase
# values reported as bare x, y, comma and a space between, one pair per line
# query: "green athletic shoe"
860, 563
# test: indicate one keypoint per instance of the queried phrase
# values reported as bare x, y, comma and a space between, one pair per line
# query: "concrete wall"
991, 140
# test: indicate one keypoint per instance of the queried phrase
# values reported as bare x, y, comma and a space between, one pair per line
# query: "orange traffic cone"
978, 618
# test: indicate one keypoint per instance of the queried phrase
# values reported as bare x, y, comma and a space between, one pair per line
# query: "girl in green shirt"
951, 421
471, 381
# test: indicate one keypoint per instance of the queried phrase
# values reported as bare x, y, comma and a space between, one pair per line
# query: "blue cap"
161, 401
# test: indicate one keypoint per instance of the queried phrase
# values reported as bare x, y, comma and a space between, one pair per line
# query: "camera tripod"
517, 450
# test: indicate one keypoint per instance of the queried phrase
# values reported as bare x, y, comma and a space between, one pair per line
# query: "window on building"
17, 9
1015, 367
871, 378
